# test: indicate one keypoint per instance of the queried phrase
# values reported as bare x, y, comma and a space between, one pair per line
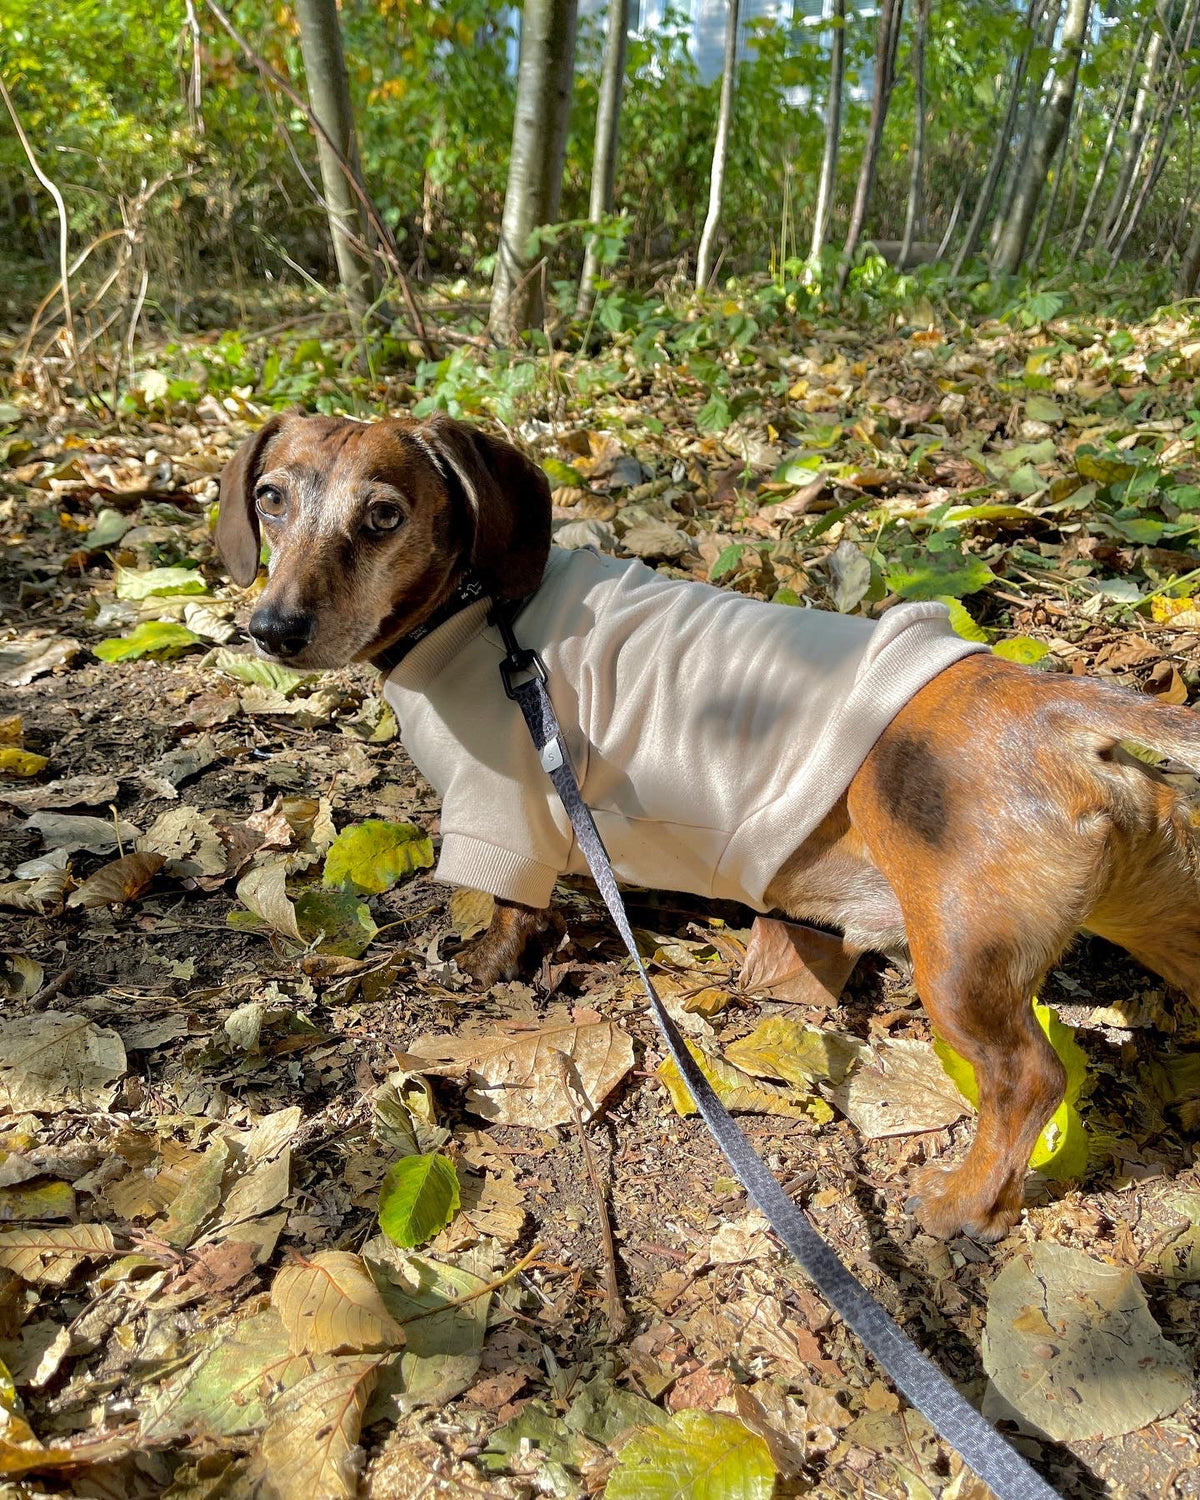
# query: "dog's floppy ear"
237, 518
507, 500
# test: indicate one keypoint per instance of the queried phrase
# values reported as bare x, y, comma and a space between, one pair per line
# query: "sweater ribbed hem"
485, 867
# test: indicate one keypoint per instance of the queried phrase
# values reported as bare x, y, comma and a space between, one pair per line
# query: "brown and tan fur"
995, 818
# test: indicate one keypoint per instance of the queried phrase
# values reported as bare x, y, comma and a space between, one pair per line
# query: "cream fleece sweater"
710, 733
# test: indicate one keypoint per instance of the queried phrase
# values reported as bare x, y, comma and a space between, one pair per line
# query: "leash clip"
520, 658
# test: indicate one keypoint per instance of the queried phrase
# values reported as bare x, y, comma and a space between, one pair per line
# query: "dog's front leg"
515, 944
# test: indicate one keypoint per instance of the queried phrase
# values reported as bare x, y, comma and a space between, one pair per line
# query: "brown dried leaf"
56, 1060
330, 1305
116, 883
310, 1451
515, 1076
795, 963
50, 1257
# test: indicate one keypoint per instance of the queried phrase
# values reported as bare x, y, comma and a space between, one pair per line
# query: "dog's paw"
948, 1201
486, 962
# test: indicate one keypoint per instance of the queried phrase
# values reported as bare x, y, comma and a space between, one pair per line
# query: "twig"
55, 986
614, 1311
61, 206
386, 239
480, 1291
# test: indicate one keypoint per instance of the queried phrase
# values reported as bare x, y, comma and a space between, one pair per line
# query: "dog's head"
371, 525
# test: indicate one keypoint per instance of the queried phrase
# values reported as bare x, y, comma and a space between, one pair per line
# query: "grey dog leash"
982, 1448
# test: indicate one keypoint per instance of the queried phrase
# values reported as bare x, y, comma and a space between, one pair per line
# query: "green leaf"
158, 638
1185, 496
1023, 649
727, 561
561, 474
157, 582
345, 921
374, 855
254, 672
109, 527
949, 574
1062, 1148
961, 621
1104, 471
697, 1455
418, 1198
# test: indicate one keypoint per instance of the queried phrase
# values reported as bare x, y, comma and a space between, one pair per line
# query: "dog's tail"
1115, 716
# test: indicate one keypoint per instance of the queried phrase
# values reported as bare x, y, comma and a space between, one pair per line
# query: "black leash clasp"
520, 659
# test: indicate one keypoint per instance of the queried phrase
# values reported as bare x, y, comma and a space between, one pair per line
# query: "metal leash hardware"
919, 1380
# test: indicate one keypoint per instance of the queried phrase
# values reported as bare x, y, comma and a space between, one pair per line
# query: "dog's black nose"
281, 632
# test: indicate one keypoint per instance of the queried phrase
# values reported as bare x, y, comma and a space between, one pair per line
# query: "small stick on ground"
614, 1309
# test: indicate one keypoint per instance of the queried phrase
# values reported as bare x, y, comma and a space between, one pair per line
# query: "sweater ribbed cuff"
484, 867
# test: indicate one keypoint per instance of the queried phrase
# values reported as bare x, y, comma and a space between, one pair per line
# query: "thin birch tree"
1047, 133
1135, 144
913, 209
833, 124
887, 33
329, 96
544, 81
604, 151
1003, 144
706, 256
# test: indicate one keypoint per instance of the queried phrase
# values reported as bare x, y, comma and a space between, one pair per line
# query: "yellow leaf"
14, 762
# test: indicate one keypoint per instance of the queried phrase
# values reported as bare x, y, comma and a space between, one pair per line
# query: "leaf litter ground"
217, 1045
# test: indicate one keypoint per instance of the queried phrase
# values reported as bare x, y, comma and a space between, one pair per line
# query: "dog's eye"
384, 516
269, 501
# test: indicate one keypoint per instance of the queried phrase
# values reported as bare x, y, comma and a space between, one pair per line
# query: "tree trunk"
983, 204
912, 213
1136, 144
716, 185
833, 125
1110, 140
329, 96
888, 29
1033, 104
1060, 170
1048, 132
544, 83
1189, 266
604, 152
1165, 118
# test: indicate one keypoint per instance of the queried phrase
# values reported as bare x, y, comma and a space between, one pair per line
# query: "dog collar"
469, 591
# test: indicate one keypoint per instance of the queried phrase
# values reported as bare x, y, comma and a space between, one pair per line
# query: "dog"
992, 817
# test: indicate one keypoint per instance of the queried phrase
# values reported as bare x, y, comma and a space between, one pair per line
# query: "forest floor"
210, 1061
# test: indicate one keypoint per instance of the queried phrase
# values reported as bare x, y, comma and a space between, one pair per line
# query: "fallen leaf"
74, 832
330, 1305
898, 1088
114, 884
782, 1048
20, 977
515, 1077
373, 856
160, 639
14, 762
419, 1197
67, 791
310, 1448
471, 911
263, 889
50, 1257
792, 962
443, 1309
1104, 1370
128, 583
22, 661
55, 1061
739, 1090
696, 1454
228, 1386
243, 667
